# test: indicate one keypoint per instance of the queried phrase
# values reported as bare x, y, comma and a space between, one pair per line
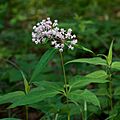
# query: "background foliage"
96, 23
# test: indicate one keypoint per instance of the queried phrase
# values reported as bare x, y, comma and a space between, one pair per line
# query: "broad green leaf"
79, 81
109, 57
84, 48
117, 91
42, 63
50, 85
97, 74
116, 65
9, 97
70, 108
9, 119
102, 92
94, 61
86, 95
34, 97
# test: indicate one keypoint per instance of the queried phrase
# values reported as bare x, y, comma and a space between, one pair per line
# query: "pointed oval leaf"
9, 97
43, 62
117, 91
116, 65
94, 61
79, 81
34, 97
86, 95
50, 85
84, 48
98, 74
109, 57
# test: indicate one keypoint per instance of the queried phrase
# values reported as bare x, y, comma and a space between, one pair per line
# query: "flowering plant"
72, 96
58, 37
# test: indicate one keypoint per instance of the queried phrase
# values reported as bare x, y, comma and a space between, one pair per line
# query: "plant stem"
65, 81
9, 113
69, 116
110, 87
85, 110
26, 112
56, 116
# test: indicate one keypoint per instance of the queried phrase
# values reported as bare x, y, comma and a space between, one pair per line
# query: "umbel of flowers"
58, 37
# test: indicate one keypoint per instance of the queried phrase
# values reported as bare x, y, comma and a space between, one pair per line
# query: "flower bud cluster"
58, 37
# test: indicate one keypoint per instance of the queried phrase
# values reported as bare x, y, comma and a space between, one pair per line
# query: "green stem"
85, 110
68, 116
110, 88
56, 116
65, 81
26, 112
9, 113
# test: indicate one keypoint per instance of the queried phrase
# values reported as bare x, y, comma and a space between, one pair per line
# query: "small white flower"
34, 27
68, 35
61, 50
33, 35
56, 29
73, 42
62, 45
33, 39
74, 36
62, 30
71, 47
53, 42
48, 18
55, 21
36, 42
38, 24
57, 46
69, 30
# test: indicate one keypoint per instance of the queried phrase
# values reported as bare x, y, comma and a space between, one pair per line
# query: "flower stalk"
65, 82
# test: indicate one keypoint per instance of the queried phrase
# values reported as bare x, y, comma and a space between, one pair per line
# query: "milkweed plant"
71, 97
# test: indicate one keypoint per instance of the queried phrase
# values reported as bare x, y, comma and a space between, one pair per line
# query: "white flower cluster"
46, 29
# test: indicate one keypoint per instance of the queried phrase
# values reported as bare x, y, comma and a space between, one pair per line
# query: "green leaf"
94, 61
42, 63
27, 87
34, 96
86, 95
98, 74
9, 97
50, 85
79, 81
116, 65
84, 48
26, 84
71, 108
109, 57
117, 91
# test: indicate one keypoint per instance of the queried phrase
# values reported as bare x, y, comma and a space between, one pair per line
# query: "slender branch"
26, 112
110, 87
65, 81
56, 116
85, 110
